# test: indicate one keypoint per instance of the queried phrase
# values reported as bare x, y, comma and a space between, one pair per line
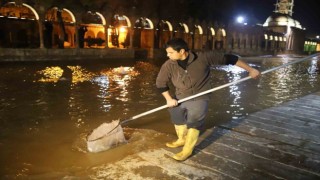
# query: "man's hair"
177, 44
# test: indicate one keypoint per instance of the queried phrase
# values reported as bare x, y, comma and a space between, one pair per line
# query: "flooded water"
47, 110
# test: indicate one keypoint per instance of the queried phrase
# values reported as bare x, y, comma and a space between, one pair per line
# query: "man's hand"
172, 102
255, 74
252, 71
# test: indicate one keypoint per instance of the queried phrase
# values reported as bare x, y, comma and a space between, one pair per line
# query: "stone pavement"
281, 142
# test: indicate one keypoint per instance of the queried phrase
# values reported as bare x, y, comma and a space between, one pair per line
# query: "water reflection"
77, 106
50, 74
79, 74
313, 69
55, 73
104, 95
234, 73
291, 81
121, 76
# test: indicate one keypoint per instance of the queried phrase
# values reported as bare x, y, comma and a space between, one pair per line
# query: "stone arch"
163, 33
25, 21
220, 39
144, 23
24, 11
119, 31
143, 33
197, 37
90, 17
33, 10
181, 31
100, 34
212, 31
59, 28
90, 34
103, 20
93, 23
127, 20
210, 38
69, 39
89, 37
185, 26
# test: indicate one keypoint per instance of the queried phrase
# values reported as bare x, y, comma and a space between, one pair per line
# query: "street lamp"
241, 20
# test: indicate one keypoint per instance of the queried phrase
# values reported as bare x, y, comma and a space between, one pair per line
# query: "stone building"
44, 26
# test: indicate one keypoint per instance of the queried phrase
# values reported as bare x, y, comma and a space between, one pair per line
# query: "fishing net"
105, 137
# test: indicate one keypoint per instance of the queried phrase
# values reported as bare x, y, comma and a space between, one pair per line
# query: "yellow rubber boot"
181, 131
191, 140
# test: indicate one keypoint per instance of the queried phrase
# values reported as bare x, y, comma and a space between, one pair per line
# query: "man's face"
173, 54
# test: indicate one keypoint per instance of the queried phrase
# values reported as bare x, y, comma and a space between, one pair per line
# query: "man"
189, 73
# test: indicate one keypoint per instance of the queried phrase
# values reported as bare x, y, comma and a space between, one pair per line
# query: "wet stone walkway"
281, 142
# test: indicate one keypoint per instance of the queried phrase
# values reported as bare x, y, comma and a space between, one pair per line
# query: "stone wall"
8, 54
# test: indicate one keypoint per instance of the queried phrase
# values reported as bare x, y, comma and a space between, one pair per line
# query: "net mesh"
102, 139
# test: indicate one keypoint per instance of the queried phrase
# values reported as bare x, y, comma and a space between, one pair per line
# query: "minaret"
284, 7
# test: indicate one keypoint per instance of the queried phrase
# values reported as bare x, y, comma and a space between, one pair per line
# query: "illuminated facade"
62, 28
282, 23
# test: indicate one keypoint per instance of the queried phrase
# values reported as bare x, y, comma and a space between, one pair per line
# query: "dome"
278, 19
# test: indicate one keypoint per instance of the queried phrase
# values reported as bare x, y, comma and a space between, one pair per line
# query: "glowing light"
121, 74
169, 25
121, 71
212, 32
200, 29
123, 29
102, 81
150, 23
224, 34
240, 19
186, 28
270, 37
